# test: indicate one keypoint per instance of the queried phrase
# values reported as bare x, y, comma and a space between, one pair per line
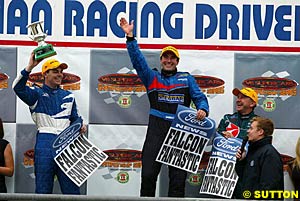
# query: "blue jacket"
166, 92
52, 110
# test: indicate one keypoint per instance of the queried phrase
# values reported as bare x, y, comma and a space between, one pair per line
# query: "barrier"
58, 197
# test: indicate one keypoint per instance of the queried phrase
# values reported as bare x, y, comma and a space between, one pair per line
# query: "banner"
220, 176
223, 44
186, 140
91, 23
77, 157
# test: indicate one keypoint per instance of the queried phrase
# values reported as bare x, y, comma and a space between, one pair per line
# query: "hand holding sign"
201, 114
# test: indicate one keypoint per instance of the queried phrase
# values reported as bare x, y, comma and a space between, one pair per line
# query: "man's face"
169, 61
254, 133
53, 77
244, 104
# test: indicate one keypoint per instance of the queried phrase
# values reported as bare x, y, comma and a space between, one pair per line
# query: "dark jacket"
236, 123
263, 169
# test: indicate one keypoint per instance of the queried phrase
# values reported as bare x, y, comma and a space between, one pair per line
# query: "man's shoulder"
230, 116
180, 73
65, 91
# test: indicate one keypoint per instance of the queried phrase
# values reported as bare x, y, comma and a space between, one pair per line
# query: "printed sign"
186, 140
220, 176
76, 156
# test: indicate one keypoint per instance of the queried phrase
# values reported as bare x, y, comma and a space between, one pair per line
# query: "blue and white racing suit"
52, 110
165, 93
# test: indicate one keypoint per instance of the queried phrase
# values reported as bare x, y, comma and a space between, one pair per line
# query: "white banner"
220, 177
186, 140
80, 159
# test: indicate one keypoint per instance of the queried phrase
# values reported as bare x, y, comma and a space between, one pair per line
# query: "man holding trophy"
52, 109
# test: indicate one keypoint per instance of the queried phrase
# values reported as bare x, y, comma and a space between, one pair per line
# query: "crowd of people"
258, 168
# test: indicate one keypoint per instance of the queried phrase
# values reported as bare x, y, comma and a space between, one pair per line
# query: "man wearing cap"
166, 90
237, 124
52, 110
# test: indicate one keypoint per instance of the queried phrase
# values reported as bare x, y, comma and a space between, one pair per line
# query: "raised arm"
137, 58
25, 93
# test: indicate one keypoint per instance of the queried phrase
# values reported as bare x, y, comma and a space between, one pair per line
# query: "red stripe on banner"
157, 46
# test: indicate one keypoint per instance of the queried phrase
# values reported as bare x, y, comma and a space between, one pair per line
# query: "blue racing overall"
52, 110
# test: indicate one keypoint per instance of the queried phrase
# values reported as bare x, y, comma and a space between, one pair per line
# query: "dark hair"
1, 129
162, 56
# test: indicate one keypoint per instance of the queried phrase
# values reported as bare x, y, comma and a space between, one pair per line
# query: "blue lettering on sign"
97, 7
246, 20
176, 31
45, 7
281, 12
77, 7
1, 16
230, 15
262, 29
153, 9
17, 21
233, 12
21, 20
229, 21
297, 21
201, 11
113, 18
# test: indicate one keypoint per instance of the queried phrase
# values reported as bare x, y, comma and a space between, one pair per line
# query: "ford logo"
66, 134
229, 146
188, 117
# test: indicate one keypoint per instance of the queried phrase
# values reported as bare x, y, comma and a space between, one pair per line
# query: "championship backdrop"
224, 44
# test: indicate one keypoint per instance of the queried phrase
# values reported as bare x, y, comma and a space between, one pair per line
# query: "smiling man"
52, 110
237, 124
166, 90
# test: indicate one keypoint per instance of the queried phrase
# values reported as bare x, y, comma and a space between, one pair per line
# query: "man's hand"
32, 63
227, 134
83, 129
201, 114
127, 28
239, 155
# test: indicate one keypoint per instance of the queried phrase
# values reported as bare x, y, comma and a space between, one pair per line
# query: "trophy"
43, 50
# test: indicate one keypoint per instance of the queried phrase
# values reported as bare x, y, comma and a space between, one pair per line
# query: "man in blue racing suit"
166, 90
52, 109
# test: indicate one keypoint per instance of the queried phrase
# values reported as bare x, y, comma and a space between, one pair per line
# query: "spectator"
6, 160
294, 168
262, 165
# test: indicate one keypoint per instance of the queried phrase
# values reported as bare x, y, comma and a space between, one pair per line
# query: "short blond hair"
265, 124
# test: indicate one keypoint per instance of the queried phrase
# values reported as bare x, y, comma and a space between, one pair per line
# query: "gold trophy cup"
43, 50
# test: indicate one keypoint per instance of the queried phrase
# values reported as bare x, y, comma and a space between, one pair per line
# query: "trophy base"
44, 52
